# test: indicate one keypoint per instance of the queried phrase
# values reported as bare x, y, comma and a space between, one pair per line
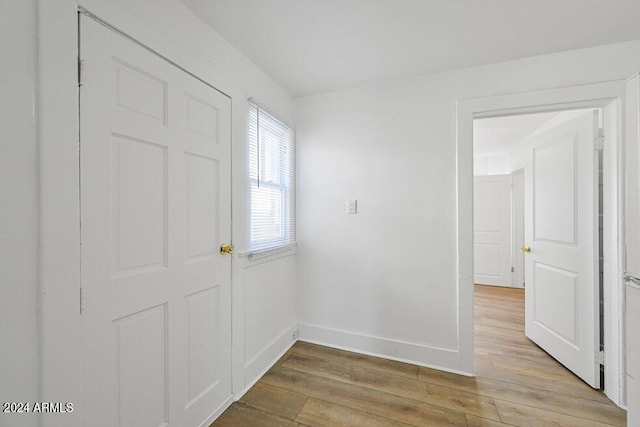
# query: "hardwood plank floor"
517, 384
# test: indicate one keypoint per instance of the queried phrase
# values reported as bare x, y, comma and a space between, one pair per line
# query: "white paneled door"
155, 208
492, 230
561, 269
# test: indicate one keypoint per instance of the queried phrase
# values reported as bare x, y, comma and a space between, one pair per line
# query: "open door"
562, 252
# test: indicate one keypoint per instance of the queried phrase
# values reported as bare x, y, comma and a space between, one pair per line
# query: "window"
272, 177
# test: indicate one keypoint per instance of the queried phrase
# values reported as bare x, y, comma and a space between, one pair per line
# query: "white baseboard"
207, 422
498, 285
417, 354
266, 358
401, 351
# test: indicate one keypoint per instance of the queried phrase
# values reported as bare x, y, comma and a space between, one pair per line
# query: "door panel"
141, 343
139, 202
155, 200
557, 314
202, 206
561, 220
554, 174
204, 337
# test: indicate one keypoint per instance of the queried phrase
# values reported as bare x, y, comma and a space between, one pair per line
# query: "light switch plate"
352, 206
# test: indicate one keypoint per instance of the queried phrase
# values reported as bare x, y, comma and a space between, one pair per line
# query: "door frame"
515, 231
606, 95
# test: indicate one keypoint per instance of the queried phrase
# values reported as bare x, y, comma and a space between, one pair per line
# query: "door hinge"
81, 300
598, 141
80, 72
513, 269
600, 357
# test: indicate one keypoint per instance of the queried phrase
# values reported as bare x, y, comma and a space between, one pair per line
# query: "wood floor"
517, 384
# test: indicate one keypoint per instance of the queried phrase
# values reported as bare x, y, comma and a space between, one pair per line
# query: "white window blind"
272, 175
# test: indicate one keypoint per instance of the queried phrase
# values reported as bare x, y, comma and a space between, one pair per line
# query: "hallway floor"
517, 384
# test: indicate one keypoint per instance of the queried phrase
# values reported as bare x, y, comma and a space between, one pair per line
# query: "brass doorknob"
526, 249
226, 249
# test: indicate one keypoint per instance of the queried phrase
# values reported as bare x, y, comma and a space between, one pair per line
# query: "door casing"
609, 97
517, 227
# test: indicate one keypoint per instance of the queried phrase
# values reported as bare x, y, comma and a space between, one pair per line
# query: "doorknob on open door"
526, 249
226, 249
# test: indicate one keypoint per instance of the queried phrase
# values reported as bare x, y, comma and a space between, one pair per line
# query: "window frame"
284, 184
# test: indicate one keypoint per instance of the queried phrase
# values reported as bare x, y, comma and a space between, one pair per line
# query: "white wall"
389, 273
269, 316
18, 214
168, 27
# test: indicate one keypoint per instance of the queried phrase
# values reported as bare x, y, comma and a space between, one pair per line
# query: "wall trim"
265, 358
207, 421
59, 209
250, 384
402, 351
594, 95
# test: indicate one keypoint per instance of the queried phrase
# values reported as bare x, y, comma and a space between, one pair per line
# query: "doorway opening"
532, 189
607, 96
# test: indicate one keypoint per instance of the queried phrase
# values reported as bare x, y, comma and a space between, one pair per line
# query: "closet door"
155, 209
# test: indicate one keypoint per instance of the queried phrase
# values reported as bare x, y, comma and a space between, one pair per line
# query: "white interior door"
561, 220
155, 208
492, 230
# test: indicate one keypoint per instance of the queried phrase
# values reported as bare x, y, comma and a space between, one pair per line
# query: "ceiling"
500, 135
497, 135
312, 46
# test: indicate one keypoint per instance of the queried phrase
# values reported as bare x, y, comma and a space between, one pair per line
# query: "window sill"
268, 254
